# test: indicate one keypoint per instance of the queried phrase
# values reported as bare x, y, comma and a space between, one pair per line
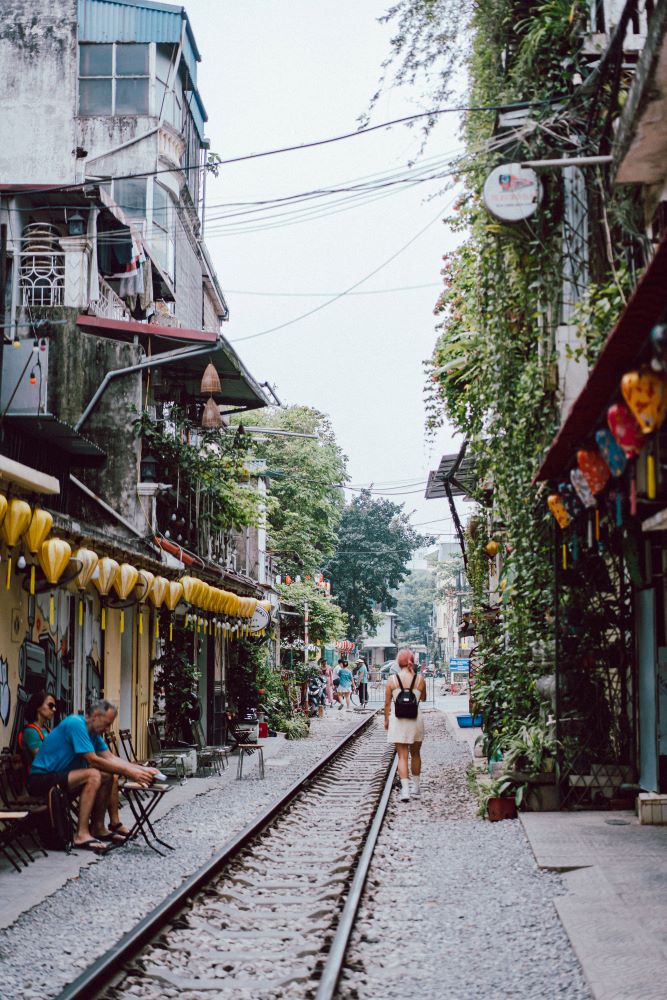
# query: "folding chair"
171, 761
21, 812
245, 749
217, 755
10, 831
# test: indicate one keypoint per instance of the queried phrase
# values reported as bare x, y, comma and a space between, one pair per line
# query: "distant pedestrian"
361, 677
336, 682
327, 674
407, 734
345, 686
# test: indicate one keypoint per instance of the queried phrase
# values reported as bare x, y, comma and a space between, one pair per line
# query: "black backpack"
56, 830
406, 705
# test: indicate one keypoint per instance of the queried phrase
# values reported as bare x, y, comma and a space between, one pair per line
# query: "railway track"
270, 915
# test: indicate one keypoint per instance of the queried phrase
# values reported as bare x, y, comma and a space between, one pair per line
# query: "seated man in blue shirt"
75, 756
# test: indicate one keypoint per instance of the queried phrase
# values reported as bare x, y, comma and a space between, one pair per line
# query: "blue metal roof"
142, 21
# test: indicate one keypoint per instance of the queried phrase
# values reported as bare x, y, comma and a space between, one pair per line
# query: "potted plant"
530, 762
497, 799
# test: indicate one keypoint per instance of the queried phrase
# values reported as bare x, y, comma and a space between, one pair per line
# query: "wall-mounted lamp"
148, 468
76, 225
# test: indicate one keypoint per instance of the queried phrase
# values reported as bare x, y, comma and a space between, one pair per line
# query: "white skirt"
405, 730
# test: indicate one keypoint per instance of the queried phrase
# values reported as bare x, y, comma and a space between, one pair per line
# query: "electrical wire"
325, 295
340, 295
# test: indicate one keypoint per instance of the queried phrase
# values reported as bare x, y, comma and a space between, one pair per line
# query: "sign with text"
459, 664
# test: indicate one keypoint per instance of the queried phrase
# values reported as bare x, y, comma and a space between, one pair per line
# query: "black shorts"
40, 783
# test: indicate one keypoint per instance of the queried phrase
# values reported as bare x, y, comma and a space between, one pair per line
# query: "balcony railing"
109, 305
42, 277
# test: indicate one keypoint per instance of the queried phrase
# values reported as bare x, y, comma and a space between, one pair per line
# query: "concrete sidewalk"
615, 909
21, 891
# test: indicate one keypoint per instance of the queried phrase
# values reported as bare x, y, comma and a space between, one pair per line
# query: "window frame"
114, 77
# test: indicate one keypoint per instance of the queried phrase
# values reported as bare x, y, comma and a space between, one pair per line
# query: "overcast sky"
281, 72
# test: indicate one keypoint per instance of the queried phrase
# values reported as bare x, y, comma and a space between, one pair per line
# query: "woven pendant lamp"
210, 382
211, 416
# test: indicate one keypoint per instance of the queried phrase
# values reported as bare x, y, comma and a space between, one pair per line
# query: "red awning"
620, 352
121, 329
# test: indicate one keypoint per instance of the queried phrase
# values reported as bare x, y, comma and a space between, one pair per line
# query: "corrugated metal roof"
142, 21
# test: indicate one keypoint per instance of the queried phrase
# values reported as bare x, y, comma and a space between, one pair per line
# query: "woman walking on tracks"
403, 721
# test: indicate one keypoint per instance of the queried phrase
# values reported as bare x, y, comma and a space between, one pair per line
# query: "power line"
317, 295
462, 109
335, 298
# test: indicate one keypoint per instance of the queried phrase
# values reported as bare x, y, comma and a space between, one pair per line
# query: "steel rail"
337, 951
98, 975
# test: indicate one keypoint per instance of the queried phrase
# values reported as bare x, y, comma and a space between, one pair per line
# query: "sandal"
116, 828
112, 838
89, 845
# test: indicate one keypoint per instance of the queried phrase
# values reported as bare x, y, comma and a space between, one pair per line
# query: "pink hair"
405, 658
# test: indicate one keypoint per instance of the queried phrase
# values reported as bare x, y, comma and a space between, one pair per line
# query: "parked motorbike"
317, 695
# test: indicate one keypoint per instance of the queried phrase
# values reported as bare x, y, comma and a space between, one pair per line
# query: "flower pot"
503, 807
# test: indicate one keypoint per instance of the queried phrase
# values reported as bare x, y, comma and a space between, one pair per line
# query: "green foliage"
305, 480
414, 605
296, 728
247, 665
207, 465
375, 543
326, 621
176, 679
598, 310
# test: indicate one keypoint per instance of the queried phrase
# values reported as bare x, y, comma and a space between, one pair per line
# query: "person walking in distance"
327, 674
362, 682
403, 722
345, 686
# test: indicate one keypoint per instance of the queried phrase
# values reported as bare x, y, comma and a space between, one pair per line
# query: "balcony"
41, 266
109, 305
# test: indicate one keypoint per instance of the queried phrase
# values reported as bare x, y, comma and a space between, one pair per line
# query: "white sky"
281, 72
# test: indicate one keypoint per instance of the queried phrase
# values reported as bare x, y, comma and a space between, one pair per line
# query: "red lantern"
594, 468
288, 579
625, 429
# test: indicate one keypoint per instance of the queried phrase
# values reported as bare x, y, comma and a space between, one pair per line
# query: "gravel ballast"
455, 906
49, 945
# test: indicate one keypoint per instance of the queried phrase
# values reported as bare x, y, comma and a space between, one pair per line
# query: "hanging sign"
512, 192
260, 619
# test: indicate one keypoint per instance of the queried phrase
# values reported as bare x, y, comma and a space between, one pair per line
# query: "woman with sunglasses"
39, 714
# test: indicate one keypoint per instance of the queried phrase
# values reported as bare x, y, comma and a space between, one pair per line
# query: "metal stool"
248, 749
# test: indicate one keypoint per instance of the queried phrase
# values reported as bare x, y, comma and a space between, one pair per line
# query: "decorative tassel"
619, 510
597, 525
122, 622
171, 631
8, 581
564, 555
103, 623
32, 581
141, 623
589, 533
157, 627
633, 496
575, 548
80, 613
650, 477
52, 610
187, 620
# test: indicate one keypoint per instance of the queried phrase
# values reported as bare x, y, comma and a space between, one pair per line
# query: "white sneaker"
415, 787
405, 795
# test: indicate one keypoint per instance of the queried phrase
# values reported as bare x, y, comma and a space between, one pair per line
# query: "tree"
305, 483
326, 620
414, 604
375, 542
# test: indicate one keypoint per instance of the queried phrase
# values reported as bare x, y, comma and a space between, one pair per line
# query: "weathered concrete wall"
188, 281
38, 69
77, 364
100, 135
211, 321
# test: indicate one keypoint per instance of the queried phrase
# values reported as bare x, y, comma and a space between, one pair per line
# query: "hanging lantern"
492, 548
211, 418
594, 468
172, 597
625, 429
611, 451
569, 498
144, 583
582, 489
103, 580
15, 523
54, 556
210, 381
157, 595
89, 561
645, 392
190, 588
558, 509
3, 507
39, 527
124, 583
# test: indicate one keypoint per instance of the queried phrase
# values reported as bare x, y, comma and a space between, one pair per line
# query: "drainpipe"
154, 362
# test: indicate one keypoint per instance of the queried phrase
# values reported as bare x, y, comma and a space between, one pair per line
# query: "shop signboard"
459, 664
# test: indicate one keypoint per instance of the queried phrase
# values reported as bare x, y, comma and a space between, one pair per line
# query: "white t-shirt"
336, 671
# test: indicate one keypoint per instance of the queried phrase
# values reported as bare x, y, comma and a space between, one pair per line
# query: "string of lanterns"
224, 611
318, 580
631, 422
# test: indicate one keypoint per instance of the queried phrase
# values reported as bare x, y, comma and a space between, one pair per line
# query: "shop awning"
183, 376
82, 452
622, 350
458, 471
